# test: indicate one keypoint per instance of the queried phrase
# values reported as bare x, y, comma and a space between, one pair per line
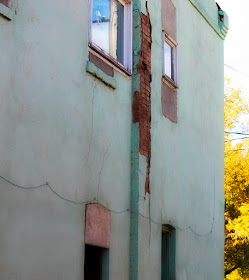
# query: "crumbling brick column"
142, 99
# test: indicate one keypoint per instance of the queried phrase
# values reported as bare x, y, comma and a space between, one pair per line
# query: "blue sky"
102, 6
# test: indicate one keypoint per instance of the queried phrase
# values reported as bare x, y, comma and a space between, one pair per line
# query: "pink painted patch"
98, 226
5, 2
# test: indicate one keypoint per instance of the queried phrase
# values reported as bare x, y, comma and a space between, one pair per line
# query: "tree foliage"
236, 187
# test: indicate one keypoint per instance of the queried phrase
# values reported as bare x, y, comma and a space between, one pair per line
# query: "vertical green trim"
134, 203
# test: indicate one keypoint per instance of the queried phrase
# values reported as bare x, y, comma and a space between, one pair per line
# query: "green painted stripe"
136, 47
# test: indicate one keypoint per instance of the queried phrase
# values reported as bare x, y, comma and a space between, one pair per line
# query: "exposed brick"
141, 107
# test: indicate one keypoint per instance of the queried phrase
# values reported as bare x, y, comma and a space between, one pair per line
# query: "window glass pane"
168, 57
101, 24
120, 33
108, 27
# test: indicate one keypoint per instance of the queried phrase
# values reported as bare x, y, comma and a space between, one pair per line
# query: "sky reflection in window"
108, 27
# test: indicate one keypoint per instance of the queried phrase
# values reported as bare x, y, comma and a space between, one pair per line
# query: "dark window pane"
96, 263
120, 33
165, 256
168, 253
92, 269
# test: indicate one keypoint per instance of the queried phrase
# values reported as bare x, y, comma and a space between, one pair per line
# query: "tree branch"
230, 270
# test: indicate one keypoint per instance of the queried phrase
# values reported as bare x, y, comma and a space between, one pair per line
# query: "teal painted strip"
208, 22
134, 208
96, 72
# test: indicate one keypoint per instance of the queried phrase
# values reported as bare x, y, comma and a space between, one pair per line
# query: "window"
96, 263
97, 242
168, 253
170, 59
110, 30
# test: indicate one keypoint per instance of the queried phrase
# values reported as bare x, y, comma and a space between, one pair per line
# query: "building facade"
111, 139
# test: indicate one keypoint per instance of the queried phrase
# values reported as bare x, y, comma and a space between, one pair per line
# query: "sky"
236, 51
101, 8
237, 42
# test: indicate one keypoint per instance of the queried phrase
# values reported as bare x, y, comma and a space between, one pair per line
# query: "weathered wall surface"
61, 125
187, 158
58, 125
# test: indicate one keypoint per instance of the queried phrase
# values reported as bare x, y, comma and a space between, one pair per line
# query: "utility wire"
236, 70
240, 133
189, 227
94, 200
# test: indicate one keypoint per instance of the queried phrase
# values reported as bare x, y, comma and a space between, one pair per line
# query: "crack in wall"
100, 172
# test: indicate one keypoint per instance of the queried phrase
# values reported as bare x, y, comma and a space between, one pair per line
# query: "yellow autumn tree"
236, 186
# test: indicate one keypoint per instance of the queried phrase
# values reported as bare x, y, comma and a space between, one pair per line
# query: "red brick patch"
142, 99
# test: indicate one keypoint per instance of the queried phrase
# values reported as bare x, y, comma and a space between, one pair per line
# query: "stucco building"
111, 139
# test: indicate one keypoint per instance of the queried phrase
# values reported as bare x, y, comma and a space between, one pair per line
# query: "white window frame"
173, 45
127, 36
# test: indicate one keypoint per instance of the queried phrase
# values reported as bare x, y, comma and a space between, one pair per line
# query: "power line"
242, 149
240, 133
190, 227
236, 70
94, 200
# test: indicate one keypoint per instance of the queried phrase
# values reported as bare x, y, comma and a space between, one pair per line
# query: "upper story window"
110, 29
170, 59
169, 64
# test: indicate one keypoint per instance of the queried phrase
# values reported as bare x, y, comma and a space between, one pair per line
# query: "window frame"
127, 66
172, 82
